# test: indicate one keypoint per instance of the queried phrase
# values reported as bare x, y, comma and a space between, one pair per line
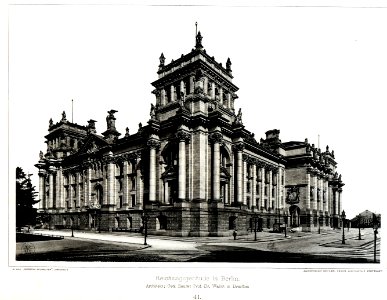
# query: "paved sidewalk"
152, 241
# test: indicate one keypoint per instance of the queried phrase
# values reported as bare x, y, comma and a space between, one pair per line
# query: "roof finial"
196, 30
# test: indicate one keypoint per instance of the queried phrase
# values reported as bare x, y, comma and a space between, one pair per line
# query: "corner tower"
195, 82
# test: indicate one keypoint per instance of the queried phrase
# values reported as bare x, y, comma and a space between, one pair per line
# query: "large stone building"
193, 170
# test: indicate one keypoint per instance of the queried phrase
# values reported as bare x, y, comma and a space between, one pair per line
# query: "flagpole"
72, 110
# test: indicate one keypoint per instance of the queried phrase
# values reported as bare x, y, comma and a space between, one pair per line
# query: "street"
297, 247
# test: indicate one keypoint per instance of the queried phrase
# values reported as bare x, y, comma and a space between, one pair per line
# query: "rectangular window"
311, 192
133, 184
257, 189
248, 187
265, 190
273, 192
133, 200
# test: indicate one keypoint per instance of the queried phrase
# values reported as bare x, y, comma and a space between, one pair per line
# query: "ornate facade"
193, 170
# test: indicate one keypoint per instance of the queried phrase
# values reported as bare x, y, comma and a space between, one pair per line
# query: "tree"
25, 199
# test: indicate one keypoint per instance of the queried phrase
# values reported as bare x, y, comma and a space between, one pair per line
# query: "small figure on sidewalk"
234, 234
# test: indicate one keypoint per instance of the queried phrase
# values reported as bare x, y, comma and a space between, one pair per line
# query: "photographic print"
196, 146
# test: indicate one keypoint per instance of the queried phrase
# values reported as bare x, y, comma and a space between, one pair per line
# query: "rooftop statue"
238, 119
152, 112
64, 117
162, 60
110, 119
199, 41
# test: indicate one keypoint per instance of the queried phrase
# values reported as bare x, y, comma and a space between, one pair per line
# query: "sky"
311, 72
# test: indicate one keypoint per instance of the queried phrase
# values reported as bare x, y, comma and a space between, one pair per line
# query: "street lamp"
286, 223
342, 220
145, 219
358, 225
319, 229
256, 216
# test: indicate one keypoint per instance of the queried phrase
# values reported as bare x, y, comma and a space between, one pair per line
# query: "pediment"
92, 144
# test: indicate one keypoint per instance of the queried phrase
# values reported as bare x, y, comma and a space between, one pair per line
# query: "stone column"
221, 95
182, 136
253, 186
226, 196
245, 176
339, 204
279, 189
327, 198
60, 182
42, 190
182, 175
320, 207
228, 101
125, 185
191, 84
88, 186
205, 88
166, 192
162, 97
139, 184
172, 97
269, 197
239, 189
315, 192
51, 188
213, 91
307, 198
336, 202
216, 139
78, 187
182, 87
153, 144
263, 184
110, 180
70, 199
